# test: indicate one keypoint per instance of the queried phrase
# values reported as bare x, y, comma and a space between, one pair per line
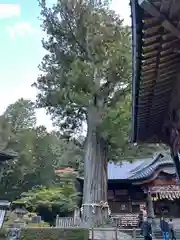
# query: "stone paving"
110, 234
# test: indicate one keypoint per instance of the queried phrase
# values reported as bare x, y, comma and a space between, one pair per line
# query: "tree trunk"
95, 206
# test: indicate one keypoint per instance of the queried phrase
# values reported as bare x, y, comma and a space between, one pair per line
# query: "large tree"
84, 74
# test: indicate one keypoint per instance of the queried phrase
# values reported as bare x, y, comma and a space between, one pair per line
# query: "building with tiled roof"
145, 182
141, 169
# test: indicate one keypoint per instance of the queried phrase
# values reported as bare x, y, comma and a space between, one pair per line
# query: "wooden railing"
126, 220
66, 222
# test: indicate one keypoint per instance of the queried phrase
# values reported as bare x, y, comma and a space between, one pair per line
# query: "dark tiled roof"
156, 62
140, 169
4, 156
124, 170
149, 170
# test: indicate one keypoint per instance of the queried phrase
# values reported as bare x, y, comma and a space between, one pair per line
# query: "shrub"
38, 225
54, 234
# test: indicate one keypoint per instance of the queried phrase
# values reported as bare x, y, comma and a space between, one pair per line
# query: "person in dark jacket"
164, 225
140, 219
146, 230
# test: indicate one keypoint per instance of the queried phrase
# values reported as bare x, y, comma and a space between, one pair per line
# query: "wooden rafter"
165, 22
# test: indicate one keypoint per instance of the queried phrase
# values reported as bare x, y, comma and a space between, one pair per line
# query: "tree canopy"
88, 59
21, 114
62, 198
40, 152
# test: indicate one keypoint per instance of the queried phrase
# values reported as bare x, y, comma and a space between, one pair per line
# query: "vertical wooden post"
150, 207
150, 212
130, 204
57, 218
116, 234
92, 233
176, 161
134, 234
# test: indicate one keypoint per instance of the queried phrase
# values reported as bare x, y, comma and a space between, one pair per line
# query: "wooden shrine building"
156, 73
148, 182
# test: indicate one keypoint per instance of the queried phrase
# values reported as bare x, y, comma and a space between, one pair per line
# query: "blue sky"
21, 50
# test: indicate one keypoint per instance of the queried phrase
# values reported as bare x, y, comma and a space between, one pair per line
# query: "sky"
21, 50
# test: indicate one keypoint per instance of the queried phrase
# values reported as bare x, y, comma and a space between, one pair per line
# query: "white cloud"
9, 10
21, 29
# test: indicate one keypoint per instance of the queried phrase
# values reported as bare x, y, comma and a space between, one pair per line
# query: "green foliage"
89, 58
42, 224
63, 197
21, 114
3, 233
40, 152
117, 129
88, 69
54, 234
67, 154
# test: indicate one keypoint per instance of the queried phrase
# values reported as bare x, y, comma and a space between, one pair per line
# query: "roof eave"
136, 45
126, 180
4, 156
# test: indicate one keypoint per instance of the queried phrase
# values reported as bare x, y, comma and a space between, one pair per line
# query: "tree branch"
82, 49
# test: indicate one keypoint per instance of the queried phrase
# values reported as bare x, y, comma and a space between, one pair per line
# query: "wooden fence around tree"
126, 220
66, 222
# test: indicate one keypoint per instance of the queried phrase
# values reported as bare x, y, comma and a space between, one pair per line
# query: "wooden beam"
176, 47
153, 11
176, 160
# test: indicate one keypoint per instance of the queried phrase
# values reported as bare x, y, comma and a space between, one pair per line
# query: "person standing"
171, 228
164, 225
146, 230
144, 213
140, 219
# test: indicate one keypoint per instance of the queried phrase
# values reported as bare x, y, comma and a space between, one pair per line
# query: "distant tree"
21, 114
39, 152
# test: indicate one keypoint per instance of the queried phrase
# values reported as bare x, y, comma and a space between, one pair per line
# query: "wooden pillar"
130, 204
176, 161
150, 207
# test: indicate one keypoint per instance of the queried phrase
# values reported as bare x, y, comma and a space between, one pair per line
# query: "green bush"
54, 234
37, 225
